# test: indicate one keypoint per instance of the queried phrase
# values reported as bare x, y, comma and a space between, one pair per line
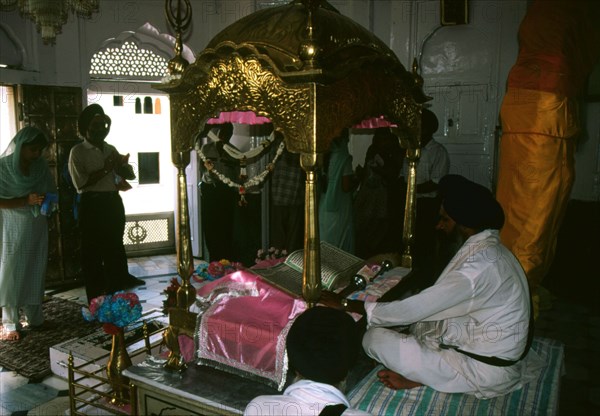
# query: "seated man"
469, 331
322, 346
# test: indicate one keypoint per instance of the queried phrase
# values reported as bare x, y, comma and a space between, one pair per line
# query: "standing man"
287, 203
559, 44
470, 331
218, 201
93, 166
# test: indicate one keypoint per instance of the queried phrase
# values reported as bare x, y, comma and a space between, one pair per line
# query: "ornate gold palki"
312, 72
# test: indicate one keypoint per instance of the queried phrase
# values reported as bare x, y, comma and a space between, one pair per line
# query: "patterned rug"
30, 357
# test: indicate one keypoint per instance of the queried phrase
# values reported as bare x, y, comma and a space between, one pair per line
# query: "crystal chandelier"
50, 15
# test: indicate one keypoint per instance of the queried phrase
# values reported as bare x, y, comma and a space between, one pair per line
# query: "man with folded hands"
97, 169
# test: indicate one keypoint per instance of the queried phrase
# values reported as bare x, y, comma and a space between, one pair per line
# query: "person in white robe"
470, 331
25, 179
322, 346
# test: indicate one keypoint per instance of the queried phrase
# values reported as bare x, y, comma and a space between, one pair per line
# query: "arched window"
140, 55
128, 61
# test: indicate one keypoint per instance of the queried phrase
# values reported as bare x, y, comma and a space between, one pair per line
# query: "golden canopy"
312, 72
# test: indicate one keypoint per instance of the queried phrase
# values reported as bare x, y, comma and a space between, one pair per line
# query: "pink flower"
130, 297
216, 269
96, 303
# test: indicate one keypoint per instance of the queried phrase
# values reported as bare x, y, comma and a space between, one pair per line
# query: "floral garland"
114, 311
255, 181
243, 156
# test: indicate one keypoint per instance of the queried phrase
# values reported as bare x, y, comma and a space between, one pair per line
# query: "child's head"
323, 344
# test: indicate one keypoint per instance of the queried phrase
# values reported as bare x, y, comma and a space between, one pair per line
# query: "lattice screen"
128, 61
149, 234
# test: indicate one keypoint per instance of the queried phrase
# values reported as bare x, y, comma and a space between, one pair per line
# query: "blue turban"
86, 117
470, 204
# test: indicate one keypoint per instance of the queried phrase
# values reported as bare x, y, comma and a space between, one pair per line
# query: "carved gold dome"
305, 66
336, 44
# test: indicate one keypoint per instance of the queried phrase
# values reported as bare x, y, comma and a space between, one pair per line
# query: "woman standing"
24, 181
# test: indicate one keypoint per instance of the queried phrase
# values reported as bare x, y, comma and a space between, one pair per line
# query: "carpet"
30, 357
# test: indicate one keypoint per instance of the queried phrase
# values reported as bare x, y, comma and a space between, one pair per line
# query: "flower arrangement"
115, 311
217, 269
270, 254
269, 258
171, 293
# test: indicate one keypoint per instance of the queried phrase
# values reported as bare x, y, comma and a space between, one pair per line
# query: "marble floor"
570, 318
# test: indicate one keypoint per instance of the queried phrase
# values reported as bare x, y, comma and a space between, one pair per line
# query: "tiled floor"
572, 320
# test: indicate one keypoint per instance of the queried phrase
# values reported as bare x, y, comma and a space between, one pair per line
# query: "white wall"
464, 67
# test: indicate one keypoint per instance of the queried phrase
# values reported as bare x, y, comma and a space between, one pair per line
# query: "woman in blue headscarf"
24, 181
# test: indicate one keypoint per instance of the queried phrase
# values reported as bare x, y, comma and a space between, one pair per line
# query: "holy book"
337, 269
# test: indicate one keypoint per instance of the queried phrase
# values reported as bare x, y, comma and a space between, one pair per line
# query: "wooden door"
55, 111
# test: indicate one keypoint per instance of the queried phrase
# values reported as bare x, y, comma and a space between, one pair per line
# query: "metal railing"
98, 392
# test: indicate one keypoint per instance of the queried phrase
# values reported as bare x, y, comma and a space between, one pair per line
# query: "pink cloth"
263, 264
373, 123
240, 117
248, 117
187, 348
245, 328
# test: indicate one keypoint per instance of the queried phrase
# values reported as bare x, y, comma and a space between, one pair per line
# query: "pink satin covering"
374, 123
240, 117
263, 264
248, 117
247, 332
186, 347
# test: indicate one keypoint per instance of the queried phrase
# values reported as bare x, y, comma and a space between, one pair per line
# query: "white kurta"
303, 398
85, 159
433, 165
480, 303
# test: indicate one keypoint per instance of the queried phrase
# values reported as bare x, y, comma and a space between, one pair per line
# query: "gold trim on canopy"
312, 72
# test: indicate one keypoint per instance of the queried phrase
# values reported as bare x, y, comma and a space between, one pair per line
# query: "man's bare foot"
6, 335
395, 381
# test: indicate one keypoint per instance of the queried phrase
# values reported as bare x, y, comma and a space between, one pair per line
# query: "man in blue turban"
470, 331
95, 166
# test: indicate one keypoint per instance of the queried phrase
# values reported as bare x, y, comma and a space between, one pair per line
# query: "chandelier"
50, 15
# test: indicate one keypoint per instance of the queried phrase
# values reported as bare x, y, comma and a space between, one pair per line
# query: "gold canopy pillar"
311, 275
410, 210
185, 267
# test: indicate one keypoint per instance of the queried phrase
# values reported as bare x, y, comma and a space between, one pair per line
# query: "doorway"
141, 127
